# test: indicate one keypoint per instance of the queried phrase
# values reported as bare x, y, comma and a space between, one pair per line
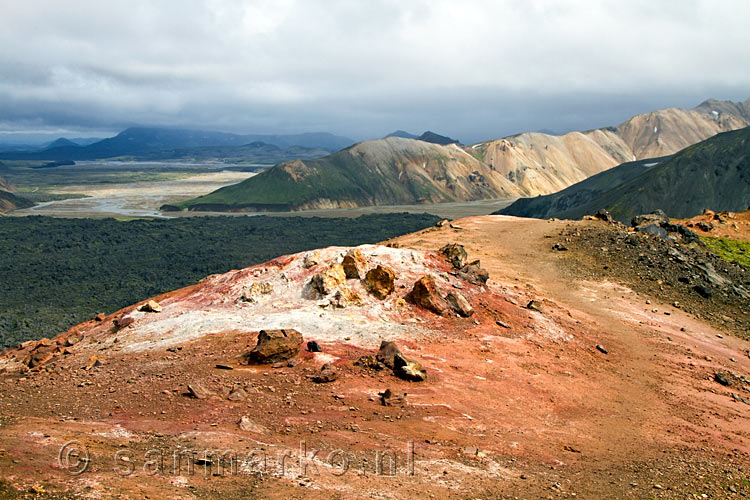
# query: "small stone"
380, 281
535, 306
329, 280
601, 349
313, 346
237, 395
500, 323
407, 369
459, 304
151, 306
559, 247
198, 391
455, 254
248, 425
389, 398
274, 346
310, 260
224, 367
426, 295
328, 373
123, 321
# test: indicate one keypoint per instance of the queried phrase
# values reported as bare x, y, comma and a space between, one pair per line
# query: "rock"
559, 247
93, 362
601, 349
224, 367
389, 398
724, 379
535, 306
313, 346
355, 264
256, 290
500, 323
604, 215
703, 291
705, 226
12, 367
326, 282
328, 373
654, 230
380, 281
310, 260
387, 352
442, 223
100, 317
345, 297
459, 304
274, 346
198, 391
123, 321
473, 273
656, 217
237, 395
151, 306
455, 254
370, 362
248, 425
426, 295
407, 369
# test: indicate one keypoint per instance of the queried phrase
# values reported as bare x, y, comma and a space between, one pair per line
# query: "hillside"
541, 163
712, 174
8, 200
140, 141
558, 375
391, 171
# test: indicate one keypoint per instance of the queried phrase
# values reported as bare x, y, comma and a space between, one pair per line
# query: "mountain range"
387, 171
166, 143
713, 174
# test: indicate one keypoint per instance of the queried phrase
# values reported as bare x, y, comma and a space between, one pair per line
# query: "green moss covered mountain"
712, 174
390, 171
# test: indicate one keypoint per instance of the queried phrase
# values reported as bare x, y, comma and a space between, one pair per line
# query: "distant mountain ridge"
713, 174
428, 136
136, 141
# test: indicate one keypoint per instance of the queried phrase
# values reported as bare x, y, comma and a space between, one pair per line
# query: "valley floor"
595, 393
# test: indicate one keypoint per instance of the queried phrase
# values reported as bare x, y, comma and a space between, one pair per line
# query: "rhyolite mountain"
542, 163
389, 171
535, 163
428, 136
138, 141
713, 174
8, 200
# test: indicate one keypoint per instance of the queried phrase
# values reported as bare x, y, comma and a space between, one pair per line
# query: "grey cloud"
474, 69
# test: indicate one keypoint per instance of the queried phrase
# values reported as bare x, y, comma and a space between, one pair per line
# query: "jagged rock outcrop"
274, 346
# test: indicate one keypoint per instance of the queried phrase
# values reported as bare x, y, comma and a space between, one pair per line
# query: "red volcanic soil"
518, 402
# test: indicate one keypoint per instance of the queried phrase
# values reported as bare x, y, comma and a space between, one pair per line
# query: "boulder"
370, 362
473, 273
535, 306
328, 373
407, 369
313, 346
310, 260
256, 290
604, 215
248, 425
355, 264
123, 321
345, 297
380, 281
654, 230
425, 294
388, 351
455, 254
656, 217
459, 304
326, 282
151, 306
274, 346
13, 367
238, 394
39, 358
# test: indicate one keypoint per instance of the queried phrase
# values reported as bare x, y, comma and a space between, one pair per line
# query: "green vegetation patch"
56, 273
729, 250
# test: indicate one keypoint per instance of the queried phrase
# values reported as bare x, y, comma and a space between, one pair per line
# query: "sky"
470, 69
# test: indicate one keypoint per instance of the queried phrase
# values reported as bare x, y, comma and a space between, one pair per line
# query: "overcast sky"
469, 69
